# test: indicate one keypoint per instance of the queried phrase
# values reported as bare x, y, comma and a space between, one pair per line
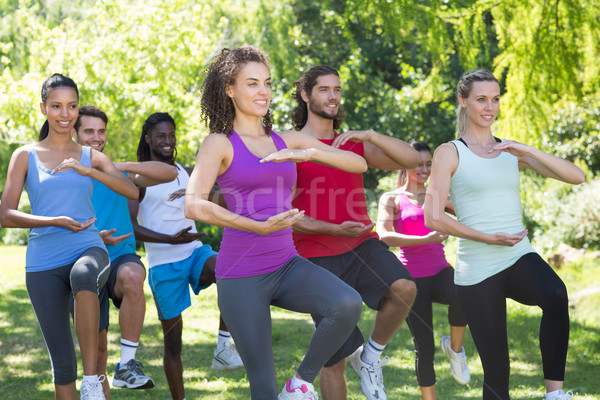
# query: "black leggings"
529, 281
439, 289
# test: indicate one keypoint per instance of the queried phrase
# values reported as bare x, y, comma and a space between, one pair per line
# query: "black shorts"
370, 269
107, 291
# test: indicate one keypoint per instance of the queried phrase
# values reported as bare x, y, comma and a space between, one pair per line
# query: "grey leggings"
299, 286
50, 295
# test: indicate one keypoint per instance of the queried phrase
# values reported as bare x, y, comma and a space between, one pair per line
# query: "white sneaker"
371, 376
304, 392
92, 390
560, 396
226, 358
458, 362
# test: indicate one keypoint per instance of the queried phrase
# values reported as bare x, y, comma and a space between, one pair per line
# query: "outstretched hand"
109, 240
353, 228
72, 225
436, 237
294, 155
185, 236
515, 148
73, 164
280, 221
355, 136
506, 239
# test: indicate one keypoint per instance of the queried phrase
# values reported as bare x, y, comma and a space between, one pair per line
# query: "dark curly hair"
307, 82
216, 107
143, 150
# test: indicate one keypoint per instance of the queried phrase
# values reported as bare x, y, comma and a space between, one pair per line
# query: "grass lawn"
25, 367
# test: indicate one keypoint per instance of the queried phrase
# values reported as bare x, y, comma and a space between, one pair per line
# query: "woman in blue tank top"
258, 265
494, 258
65, 253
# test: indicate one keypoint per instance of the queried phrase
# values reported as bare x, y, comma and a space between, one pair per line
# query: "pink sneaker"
304, 392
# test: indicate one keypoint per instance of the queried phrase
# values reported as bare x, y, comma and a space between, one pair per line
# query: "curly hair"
143, 150
307, 82
216, 107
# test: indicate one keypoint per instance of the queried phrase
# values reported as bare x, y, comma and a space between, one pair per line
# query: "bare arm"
543, 163
103, 170
213, 158
386, 215
313, 226
382, 151
11, 217
148, 235
148, 173
445, 162
303, 147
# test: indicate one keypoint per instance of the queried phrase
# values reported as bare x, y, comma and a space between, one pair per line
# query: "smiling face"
162, 142
92, 132
61, 108
482, 104
251, 92
325, 97
423, 170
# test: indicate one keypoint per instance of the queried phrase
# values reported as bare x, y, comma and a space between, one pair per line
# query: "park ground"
25, 367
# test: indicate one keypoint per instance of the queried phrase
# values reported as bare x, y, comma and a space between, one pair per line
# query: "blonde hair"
465, 84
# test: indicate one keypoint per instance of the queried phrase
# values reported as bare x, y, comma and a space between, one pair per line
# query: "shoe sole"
221, 367
124, 385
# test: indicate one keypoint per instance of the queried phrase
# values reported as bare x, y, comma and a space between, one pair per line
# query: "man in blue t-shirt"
125, 285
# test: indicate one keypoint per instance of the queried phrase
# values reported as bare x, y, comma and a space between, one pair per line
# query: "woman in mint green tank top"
65, 254
494, 258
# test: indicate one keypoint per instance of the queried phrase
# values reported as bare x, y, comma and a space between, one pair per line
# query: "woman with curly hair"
258, 265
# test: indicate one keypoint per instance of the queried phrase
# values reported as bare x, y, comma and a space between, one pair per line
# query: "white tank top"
485, 193
163, 216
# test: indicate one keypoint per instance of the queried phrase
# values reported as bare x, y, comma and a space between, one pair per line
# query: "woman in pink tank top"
400, 223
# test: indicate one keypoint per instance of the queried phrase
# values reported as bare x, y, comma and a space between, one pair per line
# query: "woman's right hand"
436, 237
72, 225
280, 221
506, 239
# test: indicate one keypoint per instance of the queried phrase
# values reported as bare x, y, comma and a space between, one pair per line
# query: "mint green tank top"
485, 193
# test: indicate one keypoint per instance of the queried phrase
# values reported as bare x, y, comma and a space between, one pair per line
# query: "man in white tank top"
176, 258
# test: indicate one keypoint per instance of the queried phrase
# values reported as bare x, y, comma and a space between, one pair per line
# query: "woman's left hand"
294, 155
515, 148
73, 164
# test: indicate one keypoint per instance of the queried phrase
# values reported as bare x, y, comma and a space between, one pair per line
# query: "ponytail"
44, 131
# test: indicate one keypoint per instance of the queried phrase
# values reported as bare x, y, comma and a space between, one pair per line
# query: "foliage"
574, 132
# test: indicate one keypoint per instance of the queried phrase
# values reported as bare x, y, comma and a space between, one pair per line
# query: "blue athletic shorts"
169, 282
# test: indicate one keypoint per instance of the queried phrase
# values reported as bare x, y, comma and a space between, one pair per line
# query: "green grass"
25, 367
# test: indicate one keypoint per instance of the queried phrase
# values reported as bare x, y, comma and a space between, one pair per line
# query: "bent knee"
403, 291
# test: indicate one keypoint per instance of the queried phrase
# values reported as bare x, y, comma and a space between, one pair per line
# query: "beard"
321, 112
162, 157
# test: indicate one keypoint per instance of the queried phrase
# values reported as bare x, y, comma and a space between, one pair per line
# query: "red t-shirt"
331, 195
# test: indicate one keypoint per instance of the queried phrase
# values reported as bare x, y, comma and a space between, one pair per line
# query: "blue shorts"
169, 282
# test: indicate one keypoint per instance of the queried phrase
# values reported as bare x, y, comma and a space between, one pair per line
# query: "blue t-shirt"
65, 193
112, 212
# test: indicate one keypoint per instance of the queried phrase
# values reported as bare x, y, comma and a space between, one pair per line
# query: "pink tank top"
422, 260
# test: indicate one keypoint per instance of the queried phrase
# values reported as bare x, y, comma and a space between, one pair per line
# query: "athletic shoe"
304, 392
458, 362
131, 376
226, 358
371, 376
92, 390
560, 396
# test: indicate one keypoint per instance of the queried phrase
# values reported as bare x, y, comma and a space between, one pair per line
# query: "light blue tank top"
112, 212
64, 193
485, 193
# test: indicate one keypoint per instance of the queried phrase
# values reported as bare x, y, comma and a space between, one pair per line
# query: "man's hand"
185, 236
110, 240
353, 229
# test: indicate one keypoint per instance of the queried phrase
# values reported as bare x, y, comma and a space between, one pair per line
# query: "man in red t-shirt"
336, 231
